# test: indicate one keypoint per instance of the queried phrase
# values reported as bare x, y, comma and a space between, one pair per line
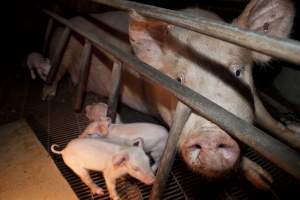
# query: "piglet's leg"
50, 90
156, 154
111, 186
85, 177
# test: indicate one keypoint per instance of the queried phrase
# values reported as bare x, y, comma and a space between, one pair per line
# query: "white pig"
36, 61
85, 154
154, 136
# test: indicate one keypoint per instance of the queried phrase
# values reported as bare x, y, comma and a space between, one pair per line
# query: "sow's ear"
272, 17
147, 37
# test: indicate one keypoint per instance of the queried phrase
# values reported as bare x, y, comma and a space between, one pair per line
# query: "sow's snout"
210, 152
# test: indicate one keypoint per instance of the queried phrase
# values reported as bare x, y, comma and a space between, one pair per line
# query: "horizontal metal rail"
282, 48
275, 151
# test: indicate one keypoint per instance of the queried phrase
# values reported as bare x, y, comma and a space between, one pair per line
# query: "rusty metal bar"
115, 91
181, 115
84, 67
47, 35
282, 48
275, 151
58, 54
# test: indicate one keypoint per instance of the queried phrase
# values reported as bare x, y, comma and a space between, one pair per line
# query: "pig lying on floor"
154, 136
113, 160
36, 62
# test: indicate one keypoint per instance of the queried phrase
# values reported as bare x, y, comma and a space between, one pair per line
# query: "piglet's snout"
150, 179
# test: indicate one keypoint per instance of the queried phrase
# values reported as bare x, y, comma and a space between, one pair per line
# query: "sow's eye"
237, 72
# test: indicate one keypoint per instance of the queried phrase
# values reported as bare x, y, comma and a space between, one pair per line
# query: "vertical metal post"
181, 115
58, 54
115, 90
47, 35
84, 67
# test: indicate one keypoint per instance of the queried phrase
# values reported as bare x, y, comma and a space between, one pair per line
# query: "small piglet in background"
36, 62
83, 154
154, 136
96, 111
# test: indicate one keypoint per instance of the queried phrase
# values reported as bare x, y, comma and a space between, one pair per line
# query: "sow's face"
216, 69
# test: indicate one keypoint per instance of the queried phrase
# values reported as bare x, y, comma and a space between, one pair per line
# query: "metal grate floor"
55, 122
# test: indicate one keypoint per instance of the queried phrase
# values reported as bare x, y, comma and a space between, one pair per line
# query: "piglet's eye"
135, 168
237, 72
180, 78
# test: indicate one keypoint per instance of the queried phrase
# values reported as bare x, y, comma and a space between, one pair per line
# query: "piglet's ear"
102, 105
103, 127
32, 73
87, 108
271, 17
147, 37
120, 158
138, 142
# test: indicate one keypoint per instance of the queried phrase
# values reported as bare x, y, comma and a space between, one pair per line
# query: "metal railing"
275, 151
282, 48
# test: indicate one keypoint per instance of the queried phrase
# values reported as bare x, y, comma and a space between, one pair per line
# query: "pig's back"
150, 133
137, 129
90, 153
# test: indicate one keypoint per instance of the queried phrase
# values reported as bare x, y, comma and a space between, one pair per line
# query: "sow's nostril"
195, 146
194, 152
222, 145
227, 151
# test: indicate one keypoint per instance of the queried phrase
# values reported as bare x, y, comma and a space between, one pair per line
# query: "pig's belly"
89, 153
100, 82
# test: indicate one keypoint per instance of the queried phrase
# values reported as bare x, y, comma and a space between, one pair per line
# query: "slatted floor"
55, 122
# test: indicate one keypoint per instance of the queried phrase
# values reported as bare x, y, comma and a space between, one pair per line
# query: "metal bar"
115, 91
47, 35
181, 115
58, 54
282, 48
83, 75
280, 154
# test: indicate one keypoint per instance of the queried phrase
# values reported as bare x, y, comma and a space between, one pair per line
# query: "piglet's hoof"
97, 191
115, 198
49, 91
254, 173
